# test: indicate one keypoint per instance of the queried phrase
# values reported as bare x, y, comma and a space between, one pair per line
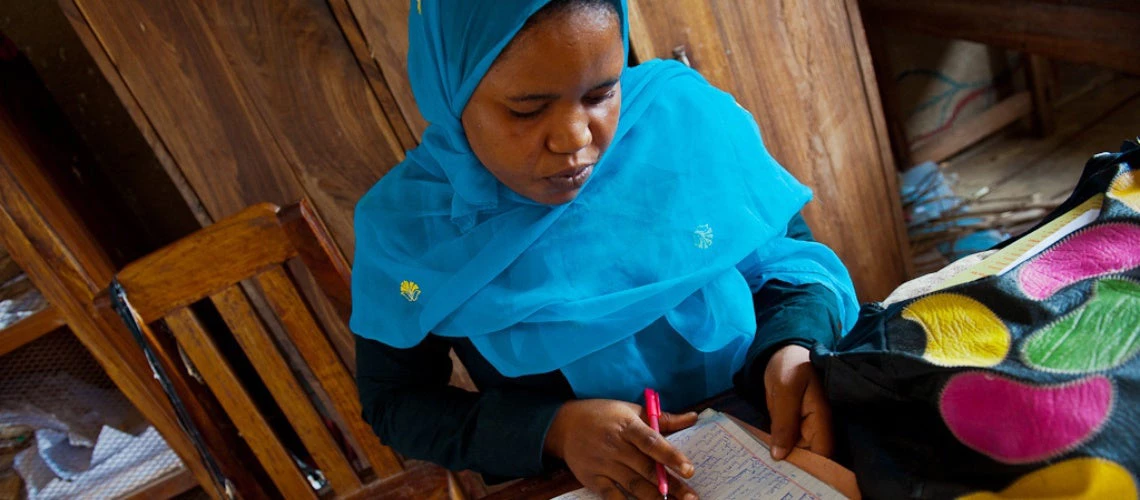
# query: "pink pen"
653, 410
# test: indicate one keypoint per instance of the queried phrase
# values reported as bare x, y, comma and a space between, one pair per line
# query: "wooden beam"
1100, 32
975, 129
1040, 83
28, 329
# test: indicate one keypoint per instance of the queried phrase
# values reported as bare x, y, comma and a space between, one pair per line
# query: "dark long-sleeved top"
500, 430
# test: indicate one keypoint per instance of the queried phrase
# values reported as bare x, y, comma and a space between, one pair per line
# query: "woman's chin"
556, 198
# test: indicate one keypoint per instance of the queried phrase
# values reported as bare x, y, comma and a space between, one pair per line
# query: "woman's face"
547, 109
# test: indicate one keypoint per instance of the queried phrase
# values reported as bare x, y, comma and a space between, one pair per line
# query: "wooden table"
562, 481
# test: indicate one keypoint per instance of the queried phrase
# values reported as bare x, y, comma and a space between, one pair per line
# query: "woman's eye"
598, 99
526, 114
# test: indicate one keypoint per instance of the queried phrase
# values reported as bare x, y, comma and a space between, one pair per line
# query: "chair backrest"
242, 264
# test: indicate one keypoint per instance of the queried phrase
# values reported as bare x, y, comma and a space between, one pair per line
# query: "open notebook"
731, 463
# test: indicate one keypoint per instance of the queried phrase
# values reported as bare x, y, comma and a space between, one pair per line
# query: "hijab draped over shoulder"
683, 217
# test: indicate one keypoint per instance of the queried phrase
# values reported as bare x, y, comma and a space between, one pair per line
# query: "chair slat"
290, 396
218, 374
232, 249
281, 294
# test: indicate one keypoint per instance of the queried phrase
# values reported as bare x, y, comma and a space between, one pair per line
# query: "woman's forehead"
561, 50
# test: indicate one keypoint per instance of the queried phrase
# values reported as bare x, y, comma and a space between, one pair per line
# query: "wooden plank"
310, 237
290, 396
384, 26
795, 67
250, 119
1054, 168
98, 53
226, 385
335, 379
1101, 32
301, 77
1039, 78
168, 486
974, 129
992, 164
880, 60
326, 277
882, 127
27, 168
29, 329
207, 261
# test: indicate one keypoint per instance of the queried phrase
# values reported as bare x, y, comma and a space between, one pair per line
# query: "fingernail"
686, 469
779, 452
690, 496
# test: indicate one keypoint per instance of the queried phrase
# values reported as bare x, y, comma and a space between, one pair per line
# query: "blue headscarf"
644, 279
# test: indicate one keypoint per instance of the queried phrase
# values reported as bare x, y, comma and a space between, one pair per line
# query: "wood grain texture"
134, 109
334, 378
871, 89
325, 276
225, 384
235, 248
385, 28
797, 68
256, 100
28, 329
1101, 32
290, 396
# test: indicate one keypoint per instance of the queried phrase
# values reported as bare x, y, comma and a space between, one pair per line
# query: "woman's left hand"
801, 415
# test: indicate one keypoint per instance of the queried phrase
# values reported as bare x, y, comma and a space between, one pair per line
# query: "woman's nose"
571, 134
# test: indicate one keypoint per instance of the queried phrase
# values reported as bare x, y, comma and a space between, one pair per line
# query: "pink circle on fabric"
1095, 251
1015, 423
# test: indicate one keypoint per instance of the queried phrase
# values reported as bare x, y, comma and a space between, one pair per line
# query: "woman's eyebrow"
608, 83
532, 97
546, 97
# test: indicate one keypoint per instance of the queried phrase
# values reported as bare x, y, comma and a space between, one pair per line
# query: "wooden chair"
242, 265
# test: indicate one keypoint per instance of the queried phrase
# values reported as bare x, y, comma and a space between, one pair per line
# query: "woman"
578, 231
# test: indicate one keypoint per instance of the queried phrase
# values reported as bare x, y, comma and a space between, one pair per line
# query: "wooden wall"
248, 101
262, 100
803, 71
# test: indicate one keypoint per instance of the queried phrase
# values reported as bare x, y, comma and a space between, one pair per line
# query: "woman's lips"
571, 178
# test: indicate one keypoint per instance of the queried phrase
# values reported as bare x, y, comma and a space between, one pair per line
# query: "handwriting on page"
731, 464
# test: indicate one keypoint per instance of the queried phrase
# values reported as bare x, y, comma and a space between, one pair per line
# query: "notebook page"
732, 464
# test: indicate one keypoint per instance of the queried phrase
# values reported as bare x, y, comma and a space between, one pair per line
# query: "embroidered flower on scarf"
410, 291
703, 236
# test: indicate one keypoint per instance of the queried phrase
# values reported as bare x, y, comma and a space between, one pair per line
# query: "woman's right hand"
613, 452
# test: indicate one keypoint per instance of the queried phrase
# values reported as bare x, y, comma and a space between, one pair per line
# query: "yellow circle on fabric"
1078, 478
960, 331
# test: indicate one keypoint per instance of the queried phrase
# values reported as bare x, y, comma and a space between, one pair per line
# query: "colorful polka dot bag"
1022, 384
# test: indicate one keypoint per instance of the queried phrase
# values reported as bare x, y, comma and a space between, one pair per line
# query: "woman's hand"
613, 452
801, 415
